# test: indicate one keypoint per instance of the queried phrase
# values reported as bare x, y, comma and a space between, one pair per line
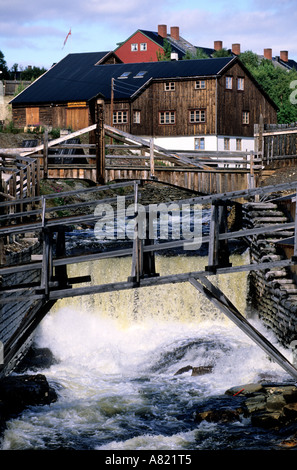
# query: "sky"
33, 32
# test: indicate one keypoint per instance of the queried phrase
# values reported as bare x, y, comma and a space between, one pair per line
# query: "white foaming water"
117, 357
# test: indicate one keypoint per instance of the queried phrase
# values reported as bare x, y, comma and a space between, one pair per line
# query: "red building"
147, 46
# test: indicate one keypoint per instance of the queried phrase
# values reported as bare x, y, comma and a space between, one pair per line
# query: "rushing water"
117, 354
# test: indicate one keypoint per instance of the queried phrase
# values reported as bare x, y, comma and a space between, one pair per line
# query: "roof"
78, 78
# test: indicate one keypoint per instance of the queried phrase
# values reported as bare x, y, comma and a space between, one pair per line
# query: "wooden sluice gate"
52, 265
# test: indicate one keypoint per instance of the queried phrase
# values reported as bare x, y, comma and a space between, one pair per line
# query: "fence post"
152, 161
100, 143
45, 154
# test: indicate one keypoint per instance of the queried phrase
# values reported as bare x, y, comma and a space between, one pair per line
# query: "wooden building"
209, 104
149, 46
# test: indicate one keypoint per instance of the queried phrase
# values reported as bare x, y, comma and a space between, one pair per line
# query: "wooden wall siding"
231, 104
205, 182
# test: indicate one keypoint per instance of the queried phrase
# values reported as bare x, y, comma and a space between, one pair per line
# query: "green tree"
200, 54
275, 81
4, 75
166, 55
222, 53
31, 73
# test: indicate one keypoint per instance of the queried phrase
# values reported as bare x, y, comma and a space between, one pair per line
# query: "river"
117, 355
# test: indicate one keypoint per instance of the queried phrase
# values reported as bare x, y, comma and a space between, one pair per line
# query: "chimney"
174, 32
284, 56
218, 45
162, 30
236, 49
268, 54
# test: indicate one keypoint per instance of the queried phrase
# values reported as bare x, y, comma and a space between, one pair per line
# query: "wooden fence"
277, 143
116, 155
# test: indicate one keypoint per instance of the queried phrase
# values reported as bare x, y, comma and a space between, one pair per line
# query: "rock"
275, 402
267, 420
183, 370
218, 416
290, 411
247, 389
257, 403
17, 392
201, 370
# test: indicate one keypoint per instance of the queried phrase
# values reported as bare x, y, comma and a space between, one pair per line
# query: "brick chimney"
174, 32
268, 54
162, 30
284, 56
218, 45
236, 49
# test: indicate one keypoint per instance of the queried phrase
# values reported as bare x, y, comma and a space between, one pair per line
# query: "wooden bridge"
222, 180
55, 283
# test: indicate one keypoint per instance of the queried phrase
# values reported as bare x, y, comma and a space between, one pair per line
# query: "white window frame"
120, 117
169, 86
200, 85
197, 115
134, 47
136, 117
229, 82
226, 143
143, 46
166, 117
240, 84
245, 117
199, 143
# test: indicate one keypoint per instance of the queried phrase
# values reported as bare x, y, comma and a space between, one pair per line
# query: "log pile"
273, 292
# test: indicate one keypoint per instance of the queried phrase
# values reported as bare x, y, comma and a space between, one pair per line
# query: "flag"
67, 37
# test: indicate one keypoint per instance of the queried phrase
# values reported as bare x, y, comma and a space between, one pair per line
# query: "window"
197, 115
245, 117
229, 83
143, 46
226, 143
140, 74
167, 117
238, 144
136, 117
169, 86
125, 75
200, 85
199, 143
120, 117
134, 47
240, 84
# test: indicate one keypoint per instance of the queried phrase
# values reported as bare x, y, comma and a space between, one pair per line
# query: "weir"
56, 284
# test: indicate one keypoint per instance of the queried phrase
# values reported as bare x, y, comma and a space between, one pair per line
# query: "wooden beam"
217, 297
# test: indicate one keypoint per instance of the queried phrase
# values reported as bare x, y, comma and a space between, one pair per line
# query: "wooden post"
61, 271
217, 297
152, 160
45, 154
100, 143
213, 239
137, 255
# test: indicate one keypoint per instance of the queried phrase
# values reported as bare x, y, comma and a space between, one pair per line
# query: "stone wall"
273, 292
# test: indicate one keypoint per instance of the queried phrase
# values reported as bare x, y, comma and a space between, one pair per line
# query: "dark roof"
77, 78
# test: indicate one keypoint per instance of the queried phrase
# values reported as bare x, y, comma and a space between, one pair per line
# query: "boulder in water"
201, 370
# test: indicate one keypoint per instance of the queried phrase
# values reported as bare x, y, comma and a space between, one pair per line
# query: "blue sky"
33, 32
